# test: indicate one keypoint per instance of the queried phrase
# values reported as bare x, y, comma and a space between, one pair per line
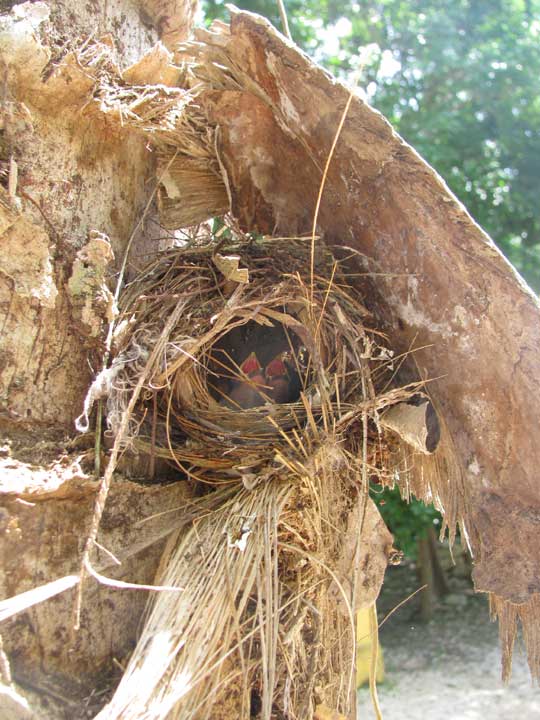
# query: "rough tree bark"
72, 192
73, 176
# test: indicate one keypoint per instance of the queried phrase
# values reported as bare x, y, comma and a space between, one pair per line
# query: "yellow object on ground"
324, 713
364, 649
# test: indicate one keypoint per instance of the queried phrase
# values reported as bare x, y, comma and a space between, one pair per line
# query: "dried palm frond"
193, 187
266, 609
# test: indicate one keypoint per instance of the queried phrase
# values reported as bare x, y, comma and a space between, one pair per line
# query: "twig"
97, 441
23, 601
13, 176
152, 470
284, 21
35, 203
321, 189
122, 585
396, 608
112, 325
108, 553
105, 485
5, 670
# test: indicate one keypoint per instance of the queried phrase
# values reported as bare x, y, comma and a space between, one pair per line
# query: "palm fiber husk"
269, 578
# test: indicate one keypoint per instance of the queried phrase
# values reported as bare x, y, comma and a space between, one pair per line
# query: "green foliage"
466, 96
458, 79
408, 522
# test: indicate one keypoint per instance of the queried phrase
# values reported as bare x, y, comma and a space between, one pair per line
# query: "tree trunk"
67, 175
439, 576
425, 572
431, 574
73, 189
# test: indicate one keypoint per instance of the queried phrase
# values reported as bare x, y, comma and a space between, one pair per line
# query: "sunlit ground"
450, 667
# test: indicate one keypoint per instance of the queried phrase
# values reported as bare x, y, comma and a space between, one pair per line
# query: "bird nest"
261, 378
267, 350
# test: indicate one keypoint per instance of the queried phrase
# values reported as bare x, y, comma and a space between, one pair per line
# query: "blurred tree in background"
458, 79
415, 527
410, 521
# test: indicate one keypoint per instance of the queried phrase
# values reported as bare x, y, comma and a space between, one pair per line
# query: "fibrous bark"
73, 188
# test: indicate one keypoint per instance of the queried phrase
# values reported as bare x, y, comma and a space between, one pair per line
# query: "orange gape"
249, 391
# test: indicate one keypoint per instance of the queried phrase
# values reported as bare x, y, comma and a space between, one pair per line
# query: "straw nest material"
252, 297
268, 559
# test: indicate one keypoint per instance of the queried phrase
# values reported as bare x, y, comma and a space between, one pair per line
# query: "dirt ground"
449, 667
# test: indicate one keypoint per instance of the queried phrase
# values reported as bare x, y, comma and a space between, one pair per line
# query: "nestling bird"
277, 378
249, 390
